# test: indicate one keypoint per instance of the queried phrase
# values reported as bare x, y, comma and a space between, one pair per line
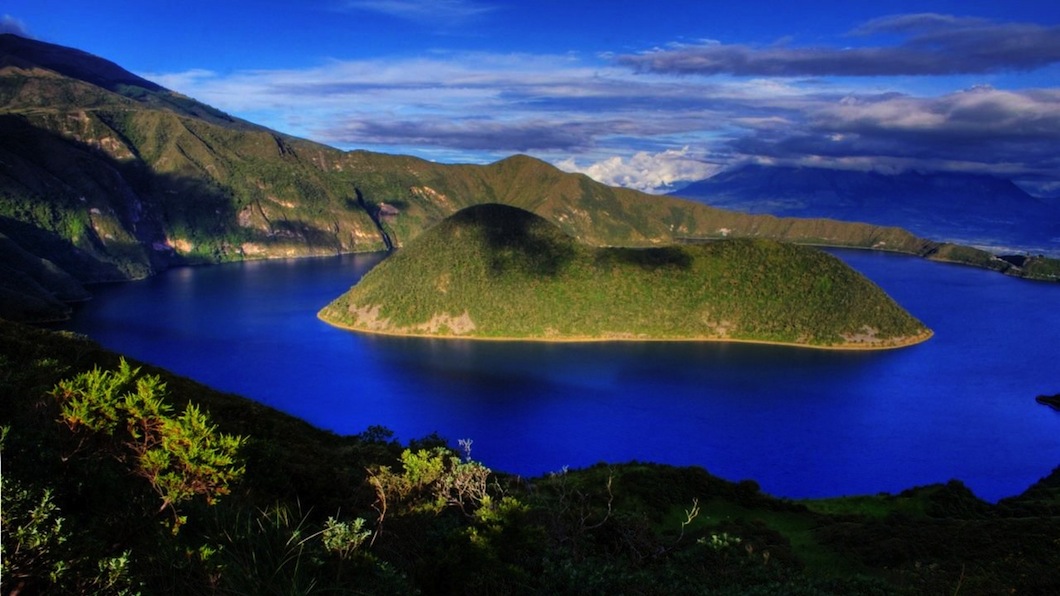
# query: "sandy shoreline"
856, 347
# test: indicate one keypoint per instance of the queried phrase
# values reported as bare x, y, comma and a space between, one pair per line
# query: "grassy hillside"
494, 271
107, 176
77, 519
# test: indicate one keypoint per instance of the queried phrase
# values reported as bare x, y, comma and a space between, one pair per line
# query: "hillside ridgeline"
494, 271
107, 176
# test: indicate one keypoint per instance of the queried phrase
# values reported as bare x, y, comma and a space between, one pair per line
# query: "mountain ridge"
963, 208
120, 184
24, 52
72, 65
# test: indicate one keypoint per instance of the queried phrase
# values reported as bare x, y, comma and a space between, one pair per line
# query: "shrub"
181, 456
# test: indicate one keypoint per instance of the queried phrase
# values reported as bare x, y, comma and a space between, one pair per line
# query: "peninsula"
499, 272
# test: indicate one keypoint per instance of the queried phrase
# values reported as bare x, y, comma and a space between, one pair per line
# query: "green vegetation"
109, 177
179, 456
1041, 268
122, 478
305, 511
494, 271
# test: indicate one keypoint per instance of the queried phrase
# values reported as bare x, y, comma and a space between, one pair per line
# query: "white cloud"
649, 172
981, 113
504, 103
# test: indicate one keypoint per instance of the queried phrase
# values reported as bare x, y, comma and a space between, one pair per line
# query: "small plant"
344, 537
39, 552
181, 456
720, 542
430, 480
33, 534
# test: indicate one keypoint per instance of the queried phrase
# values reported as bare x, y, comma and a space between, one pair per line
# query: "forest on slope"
494, 271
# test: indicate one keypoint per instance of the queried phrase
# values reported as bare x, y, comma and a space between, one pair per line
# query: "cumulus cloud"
978, 115
188, 79
931, 44
9, 24
649, 172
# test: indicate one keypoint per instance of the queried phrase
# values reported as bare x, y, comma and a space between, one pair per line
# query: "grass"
797, 528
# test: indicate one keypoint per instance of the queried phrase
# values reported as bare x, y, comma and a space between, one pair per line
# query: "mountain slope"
82, 77
34, 288
960, 208
111, 177
495, 271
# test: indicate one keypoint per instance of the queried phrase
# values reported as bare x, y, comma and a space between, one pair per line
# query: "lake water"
802, 423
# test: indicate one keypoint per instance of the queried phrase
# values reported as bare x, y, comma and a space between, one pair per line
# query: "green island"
263, 503
499, 272
108, 176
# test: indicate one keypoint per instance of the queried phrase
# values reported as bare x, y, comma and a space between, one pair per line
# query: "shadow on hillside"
649, 259
133, 220
60, 251
519, 241
375, 208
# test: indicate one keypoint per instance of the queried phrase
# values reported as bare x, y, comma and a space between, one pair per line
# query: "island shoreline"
853, 347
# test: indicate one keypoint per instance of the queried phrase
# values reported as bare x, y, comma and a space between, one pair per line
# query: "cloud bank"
932, 44
640, 121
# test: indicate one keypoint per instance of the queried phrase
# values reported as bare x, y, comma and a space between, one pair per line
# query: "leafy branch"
180, 456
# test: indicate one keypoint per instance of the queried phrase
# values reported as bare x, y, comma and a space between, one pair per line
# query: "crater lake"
800, 422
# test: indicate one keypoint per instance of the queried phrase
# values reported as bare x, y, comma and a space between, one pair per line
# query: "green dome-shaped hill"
499, 272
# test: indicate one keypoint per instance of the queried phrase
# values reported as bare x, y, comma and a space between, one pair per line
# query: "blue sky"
633, 93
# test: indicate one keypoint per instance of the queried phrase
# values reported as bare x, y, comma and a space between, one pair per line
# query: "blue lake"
802, 423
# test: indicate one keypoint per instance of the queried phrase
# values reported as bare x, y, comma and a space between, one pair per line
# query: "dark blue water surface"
803, 423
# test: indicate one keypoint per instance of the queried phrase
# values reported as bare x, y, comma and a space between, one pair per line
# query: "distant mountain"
970, 209
106, 176
495, 271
